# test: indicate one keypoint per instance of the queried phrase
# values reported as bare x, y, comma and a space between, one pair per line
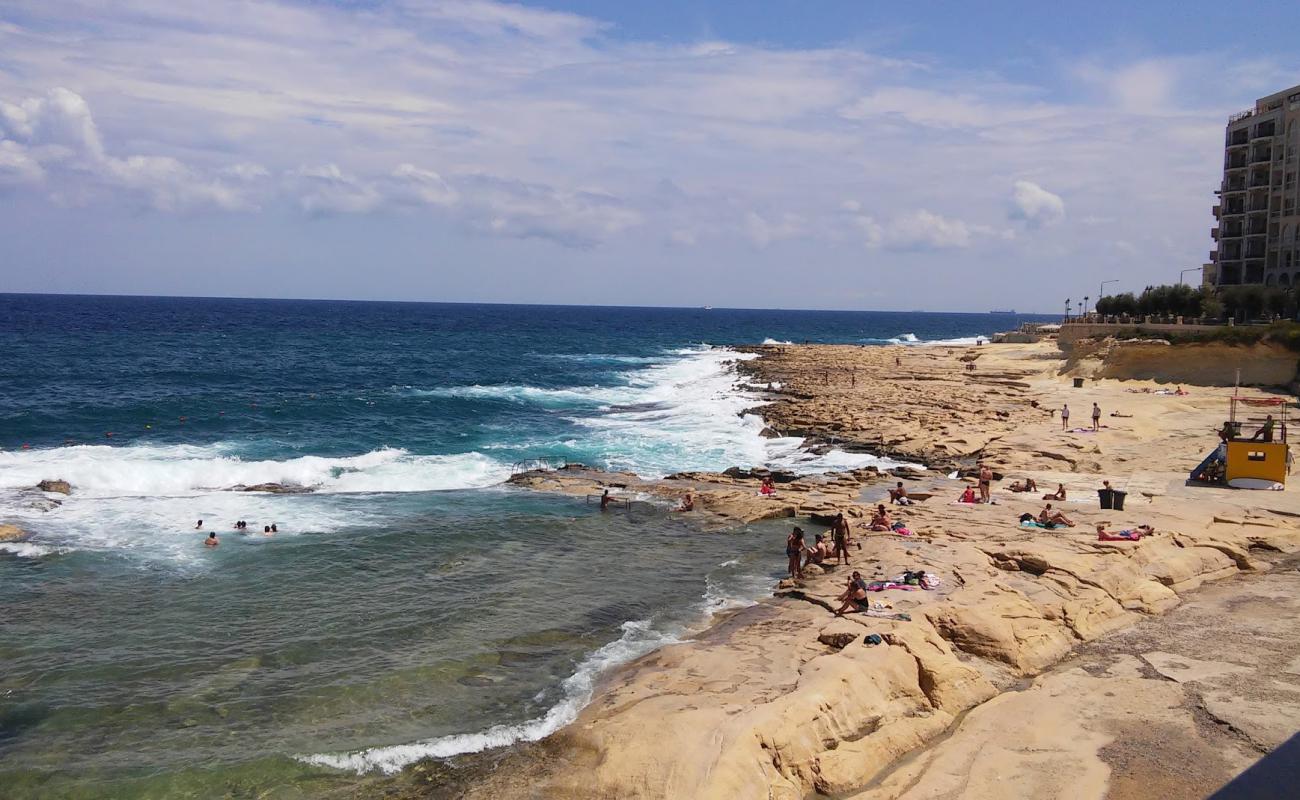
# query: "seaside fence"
540, 463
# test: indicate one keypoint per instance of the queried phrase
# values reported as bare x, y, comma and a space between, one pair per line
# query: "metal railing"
541, 463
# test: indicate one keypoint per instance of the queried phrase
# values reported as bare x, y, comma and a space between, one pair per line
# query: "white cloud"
1035, 206
922, 230
16, 167
55, 137
762, 231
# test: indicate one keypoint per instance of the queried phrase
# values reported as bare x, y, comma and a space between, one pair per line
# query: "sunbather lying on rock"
1028, 485
1057, 495
1126, 535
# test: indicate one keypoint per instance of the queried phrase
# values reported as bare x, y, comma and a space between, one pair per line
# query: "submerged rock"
275, 488
60, 486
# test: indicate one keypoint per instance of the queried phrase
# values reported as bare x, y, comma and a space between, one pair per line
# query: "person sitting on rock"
854, 596
820, 552
767, 487
1058, 495
688, 503
880, 520
968, 496
1050, 518
899, 495
1029, 485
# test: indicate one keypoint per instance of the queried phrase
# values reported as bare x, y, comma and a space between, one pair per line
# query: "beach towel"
1119, 536
902, 531
1033, 523
880, 586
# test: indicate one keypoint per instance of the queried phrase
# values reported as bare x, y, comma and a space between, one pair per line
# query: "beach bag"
1026, 517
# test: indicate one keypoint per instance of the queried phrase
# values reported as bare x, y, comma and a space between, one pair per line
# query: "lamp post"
1184, 272
1102, 292
1067, 309
1083, 310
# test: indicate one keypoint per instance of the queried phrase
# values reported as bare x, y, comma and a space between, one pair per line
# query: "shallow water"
410, 605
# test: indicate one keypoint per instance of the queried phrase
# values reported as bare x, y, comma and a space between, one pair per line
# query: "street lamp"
1084, 308
1102, 293
1067, 309
1184, 272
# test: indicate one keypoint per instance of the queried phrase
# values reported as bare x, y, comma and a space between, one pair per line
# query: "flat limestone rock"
58, 486
1185, 670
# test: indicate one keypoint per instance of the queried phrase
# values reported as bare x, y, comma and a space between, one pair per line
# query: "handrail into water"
544, 463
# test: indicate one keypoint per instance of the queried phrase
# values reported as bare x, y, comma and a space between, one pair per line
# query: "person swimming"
211, 541
605, 500
266, 530
199, 525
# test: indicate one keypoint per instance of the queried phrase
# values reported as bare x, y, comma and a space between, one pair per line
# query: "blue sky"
761, 154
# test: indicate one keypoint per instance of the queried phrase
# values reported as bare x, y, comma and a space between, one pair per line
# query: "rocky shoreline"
786, 699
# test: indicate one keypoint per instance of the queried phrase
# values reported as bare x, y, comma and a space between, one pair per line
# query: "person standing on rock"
795, 548
1096, 417
986, 480
840, 537
1065, 417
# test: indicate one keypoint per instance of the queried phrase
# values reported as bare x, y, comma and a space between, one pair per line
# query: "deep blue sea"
410, 605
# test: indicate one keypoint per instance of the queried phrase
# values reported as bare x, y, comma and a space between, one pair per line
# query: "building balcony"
1261, 157
1228, 233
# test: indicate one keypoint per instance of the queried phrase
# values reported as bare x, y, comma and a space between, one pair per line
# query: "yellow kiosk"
1260, 460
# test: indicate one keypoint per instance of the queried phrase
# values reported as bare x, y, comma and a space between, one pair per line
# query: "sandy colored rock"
57, 486
12, 533
784, 699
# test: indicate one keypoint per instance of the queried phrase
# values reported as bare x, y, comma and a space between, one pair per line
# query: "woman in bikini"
795, 548
880, 520
1058, 495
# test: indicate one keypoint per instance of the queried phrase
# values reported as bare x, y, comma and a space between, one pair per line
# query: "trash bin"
1078, 383
1107, 498
1119, 499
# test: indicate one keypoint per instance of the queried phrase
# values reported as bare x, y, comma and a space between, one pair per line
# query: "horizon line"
504, 303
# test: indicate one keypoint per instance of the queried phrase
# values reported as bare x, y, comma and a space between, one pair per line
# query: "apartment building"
1258, 231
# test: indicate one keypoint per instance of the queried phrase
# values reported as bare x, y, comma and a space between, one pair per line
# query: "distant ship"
1003, 311
708, 308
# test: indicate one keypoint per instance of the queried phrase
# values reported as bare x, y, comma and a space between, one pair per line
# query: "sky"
837, 154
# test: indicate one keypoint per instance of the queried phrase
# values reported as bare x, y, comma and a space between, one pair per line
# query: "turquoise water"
411, 605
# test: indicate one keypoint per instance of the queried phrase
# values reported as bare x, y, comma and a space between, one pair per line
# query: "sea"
412, 604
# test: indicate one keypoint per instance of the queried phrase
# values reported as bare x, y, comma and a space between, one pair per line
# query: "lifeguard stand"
1264, 455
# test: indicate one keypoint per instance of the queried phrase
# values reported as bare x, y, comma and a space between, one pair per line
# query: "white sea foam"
638, 638
30, 549
178, 470
555, 398
911, 339
775, 341
145, 498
